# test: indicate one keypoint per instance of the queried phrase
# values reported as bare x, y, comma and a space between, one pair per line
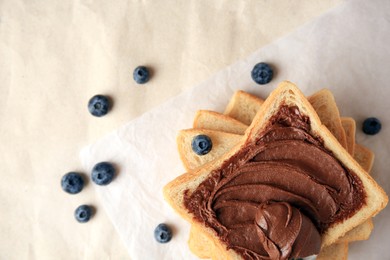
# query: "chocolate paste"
275, 198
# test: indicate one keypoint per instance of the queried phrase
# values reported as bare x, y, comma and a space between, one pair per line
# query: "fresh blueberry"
83, 213
262, 73
103, 173
141, 75
372, 126
201, 144
99, 105
72, 182
163, 233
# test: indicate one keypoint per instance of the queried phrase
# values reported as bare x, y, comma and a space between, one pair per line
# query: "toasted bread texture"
205, 119
349, 126
243, 107
287, 93
192, 160
334, 252
364, 156
324, 104
199, 243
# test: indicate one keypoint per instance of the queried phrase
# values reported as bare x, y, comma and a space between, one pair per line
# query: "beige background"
55, 55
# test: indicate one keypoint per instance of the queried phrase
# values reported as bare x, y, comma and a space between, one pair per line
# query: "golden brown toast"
205, 119
349, 126
243, 107
334, 252
324, 104
220, 145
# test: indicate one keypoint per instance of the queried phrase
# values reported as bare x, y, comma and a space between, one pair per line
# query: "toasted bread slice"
359, 233
285, 94
334, 252
200, 245
324, 104
190, 159
364, 156
243, 107
349, 126
205, 119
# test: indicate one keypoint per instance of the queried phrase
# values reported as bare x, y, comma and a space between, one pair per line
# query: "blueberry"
72, 182
141, 75
99, 105
201, 144
262, 73
372, 126
103, 173
163, 233
83, 213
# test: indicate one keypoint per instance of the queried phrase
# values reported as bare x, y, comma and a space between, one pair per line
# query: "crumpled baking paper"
346, 50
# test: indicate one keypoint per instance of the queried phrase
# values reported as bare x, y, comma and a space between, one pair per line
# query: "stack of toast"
230, 131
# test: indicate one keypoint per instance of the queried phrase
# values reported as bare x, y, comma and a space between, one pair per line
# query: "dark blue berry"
103, 173
201, 144
262, 73
162, 233
72, 182
372, 126
99, 105
83, 213
141, 75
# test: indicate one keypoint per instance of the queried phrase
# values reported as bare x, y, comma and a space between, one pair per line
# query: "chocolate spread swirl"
274, 198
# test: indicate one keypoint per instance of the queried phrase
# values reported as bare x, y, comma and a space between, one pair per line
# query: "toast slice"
205, 119
349, 126
200, 245
287, 93
243, 107
324, 104
190, 159
334, 252
361, 232
364, 156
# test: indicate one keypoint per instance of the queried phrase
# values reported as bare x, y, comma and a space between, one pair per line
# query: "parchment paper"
345, 50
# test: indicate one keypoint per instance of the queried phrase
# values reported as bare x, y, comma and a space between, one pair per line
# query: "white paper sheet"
346, 50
